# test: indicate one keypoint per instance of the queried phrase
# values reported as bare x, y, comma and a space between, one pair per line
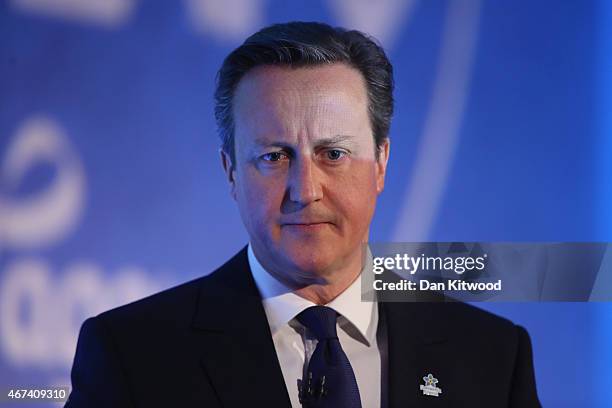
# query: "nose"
304, 183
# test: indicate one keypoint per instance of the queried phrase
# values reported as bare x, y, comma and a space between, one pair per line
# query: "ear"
228, 168
381, 164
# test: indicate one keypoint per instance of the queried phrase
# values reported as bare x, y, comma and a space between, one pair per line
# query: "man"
304, 112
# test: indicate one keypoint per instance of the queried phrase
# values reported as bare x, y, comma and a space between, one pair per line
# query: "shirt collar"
282, 305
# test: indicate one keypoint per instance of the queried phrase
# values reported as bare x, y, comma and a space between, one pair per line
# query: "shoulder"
165, 305
175, 306
468, 323
479, 338
459, 314
464, 328
496, 350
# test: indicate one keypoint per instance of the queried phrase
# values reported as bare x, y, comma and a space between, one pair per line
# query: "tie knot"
321, 320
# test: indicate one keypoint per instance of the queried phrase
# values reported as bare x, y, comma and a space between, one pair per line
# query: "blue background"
114, 99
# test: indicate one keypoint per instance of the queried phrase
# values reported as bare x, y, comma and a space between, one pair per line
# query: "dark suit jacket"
207, 343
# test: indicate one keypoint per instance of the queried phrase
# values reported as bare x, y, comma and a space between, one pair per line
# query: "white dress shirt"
357, 326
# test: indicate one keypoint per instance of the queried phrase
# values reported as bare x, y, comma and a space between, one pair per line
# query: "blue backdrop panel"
111, 186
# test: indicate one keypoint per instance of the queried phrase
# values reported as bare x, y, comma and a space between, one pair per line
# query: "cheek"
358, 210
259, 198
355, 196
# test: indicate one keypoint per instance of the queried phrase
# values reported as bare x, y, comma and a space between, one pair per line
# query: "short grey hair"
299, 44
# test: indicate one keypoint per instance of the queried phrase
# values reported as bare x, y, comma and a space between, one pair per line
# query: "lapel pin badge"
430, 387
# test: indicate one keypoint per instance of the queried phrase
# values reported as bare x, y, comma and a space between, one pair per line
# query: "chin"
308, 259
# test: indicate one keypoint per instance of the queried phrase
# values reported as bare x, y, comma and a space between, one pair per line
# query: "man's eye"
273, 157
335, 154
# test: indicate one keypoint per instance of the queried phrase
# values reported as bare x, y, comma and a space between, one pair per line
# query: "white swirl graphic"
52, 213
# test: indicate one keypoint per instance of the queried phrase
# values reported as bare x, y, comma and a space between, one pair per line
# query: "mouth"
306, 225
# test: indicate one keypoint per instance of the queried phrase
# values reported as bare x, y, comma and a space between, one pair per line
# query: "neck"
324, 286
333, 283
322, 294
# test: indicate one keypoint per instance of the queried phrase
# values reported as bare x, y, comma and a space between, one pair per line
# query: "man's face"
305, 175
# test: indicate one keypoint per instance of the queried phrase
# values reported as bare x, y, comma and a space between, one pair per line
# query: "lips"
306, 226
306, 220
306, 223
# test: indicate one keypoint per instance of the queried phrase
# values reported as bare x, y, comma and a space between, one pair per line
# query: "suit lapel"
239, 358
238, 353
417, 346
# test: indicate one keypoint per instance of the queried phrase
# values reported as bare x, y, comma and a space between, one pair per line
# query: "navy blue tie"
329, 380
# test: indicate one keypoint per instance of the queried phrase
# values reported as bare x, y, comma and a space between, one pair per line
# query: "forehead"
276, 79
281, 99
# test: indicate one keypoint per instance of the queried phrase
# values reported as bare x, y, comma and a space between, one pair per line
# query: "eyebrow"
324, 142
